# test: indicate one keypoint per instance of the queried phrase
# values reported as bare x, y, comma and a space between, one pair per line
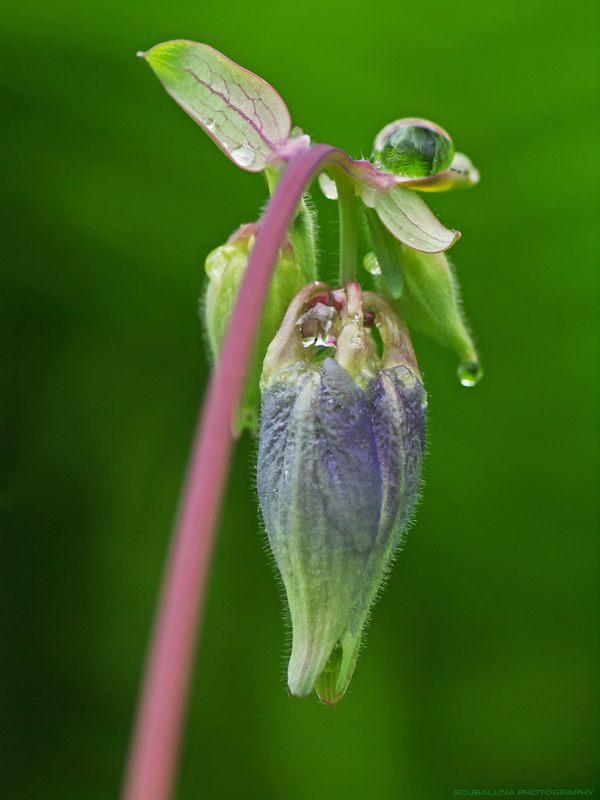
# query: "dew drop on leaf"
416, 151
243, 155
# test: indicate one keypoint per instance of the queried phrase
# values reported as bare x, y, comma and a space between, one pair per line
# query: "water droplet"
404, 377
469, 372
243, 155
210, 123
328, 186
309, 331
414, 150
371, 264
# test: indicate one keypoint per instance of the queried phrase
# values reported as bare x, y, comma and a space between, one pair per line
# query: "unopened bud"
339, 466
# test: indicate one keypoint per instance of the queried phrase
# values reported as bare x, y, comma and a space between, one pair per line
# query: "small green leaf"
241, 112
387, 251
407, 217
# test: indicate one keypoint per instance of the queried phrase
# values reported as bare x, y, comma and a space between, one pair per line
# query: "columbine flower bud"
225, 268
339, 466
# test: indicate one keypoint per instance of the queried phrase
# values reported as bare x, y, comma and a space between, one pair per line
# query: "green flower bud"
339, 466
415, 148
431, 302
225, 268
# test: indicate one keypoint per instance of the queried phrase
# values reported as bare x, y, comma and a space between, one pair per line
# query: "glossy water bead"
413, 148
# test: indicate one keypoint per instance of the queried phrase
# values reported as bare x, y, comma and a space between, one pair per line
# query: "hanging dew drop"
243, 155
469, 372
210, 123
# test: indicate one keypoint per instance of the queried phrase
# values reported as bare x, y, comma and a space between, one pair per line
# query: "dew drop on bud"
469, 372
309, 331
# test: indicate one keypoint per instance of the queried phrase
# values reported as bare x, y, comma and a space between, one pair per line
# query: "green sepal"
225, 268
388, 252
431, 302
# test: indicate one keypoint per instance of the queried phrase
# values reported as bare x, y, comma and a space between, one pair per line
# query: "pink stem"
153, 757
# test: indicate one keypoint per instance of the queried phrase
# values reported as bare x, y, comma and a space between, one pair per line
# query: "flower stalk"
157, 730
348, 234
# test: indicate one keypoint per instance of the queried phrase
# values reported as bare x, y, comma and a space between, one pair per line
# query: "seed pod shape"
339, 467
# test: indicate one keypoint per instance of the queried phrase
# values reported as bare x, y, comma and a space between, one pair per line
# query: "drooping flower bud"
339, 466
225, 268
412, 147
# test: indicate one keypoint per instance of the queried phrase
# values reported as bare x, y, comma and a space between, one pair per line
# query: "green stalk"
303, 230
348, 224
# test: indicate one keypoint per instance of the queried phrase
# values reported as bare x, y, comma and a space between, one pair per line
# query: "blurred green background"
480, 666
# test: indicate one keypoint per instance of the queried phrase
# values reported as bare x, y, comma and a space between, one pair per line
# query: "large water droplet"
416, 151
243, 155
371, 264
210, 123
469, 372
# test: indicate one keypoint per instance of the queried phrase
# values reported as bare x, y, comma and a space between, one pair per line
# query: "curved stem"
153, 756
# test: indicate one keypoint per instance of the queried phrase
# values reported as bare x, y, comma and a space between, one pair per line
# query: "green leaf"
387, 251
407, 217
241, 112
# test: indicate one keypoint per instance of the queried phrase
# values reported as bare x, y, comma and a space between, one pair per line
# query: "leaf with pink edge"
407, 217
241, 112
